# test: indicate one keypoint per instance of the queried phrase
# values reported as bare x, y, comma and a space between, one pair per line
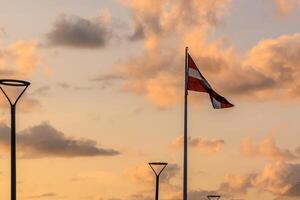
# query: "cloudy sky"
107, 97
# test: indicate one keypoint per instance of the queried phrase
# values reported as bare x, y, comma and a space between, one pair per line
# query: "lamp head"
213, 197
158, 167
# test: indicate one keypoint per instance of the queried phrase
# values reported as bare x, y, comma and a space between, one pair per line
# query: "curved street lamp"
157, 168
13, 83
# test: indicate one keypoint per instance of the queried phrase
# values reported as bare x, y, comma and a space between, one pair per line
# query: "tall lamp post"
157, 168
21, 84
213, 197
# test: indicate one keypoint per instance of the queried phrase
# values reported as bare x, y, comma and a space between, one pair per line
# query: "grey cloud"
248, 82
77, 32
294, 191
45, 141
108, 77
41, 91
171, 171
64, 85
138, 33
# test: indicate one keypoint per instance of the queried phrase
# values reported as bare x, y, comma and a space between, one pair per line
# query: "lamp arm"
6, 96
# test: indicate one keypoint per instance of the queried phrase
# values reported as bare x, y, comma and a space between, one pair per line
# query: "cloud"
266, 148
41, 91
286, 7
138, 33
45, 141
26, 103
234, 183
64, 85
143, 175
77, 32
161, 17
278, 60
294, 191
278, 178
211, 146
19, 59
270, 70
155, 72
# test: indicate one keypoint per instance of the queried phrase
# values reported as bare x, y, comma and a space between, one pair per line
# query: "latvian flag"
197, 82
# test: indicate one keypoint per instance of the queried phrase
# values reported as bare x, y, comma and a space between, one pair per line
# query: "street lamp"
157, 168
23, 85
213, 197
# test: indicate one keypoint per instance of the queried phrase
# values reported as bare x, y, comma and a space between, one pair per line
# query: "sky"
106, 98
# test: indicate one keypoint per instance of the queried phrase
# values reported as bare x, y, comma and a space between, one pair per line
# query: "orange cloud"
266, 148
144, 176
164, 26
19, 59
270, 70
210, 146
285, 7
277, 178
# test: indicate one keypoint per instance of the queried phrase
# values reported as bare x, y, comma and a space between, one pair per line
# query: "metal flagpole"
185, 127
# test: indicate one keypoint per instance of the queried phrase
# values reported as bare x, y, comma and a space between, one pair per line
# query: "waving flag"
197, 82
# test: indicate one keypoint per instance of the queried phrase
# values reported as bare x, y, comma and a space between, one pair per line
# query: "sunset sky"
106, 97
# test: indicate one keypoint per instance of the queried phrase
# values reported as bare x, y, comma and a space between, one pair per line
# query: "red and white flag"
197, 82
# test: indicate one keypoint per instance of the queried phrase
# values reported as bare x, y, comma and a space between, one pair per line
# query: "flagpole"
185, 196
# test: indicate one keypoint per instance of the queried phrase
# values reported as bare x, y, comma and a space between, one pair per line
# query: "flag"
197, 82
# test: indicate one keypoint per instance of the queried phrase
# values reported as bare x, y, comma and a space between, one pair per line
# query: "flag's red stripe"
196, 85
226, 105
191, 63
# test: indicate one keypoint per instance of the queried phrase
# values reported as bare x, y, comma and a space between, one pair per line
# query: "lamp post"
22, 84
157, 168
213, 197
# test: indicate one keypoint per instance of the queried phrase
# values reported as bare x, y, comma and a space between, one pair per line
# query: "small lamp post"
213, 197
13, 103
157, 168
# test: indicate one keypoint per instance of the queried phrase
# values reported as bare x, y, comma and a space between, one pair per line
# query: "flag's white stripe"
216, 103
195, 74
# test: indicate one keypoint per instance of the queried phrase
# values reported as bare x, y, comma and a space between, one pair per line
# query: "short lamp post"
157, 168
22, 85
213, 197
